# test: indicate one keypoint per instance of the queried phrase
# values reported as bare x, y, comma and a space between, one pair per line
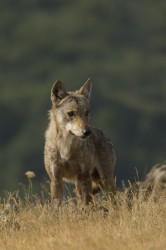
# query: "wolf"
75, 151
155, 182
153, 186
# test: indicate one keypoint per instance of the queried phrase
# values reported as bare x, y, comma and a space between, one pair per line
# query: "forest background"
120, 44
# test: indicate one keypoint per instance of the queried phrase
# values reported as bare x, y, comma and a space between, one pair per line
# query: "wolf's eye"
71, 113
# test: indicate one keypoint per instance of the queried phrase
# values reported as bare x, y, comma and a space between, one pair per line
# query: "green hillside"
120, 44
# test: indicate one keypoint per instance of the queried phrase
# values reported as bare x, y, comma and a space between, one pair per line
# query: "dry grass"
42, 226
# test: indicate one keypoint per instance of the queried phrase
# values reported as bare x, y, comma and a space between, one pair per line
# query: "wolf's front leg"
56, 191
84, 188
109, 188
56, 185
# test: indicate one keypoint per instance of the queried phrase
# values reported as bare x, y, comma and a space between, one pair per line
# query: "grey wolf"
154, 184
75, 151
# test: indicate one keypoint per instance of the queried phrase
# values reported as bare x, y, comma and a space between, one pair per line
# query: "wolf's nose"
86, 132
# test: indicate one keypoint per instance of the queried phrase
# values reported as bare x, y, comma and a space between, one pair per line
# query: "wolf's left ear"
58, 92
86, 88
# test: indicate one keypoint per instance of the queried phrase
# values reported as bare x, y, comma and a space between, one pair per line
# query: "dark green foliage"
120, 44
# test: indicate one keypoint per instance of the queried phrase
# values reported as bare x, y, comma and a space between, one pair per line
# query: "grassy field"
40, 225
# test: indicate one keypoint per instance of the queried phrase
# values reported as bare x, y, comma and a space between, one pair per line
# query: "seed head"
30, 175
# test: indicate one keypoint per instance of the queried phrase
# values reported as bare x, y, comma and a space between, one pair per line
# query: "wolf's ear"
58, 92
86, 88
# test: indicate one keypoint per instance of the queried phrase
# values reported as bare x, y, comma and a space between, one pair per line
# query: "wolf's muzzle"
86, 132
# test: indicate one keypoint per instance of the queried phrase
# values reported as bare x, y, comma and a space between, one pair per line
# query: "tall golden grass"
41, 225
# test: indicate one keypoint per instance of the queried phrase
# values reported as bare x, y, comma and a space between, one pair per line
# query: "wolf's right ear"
58, 92
86, 88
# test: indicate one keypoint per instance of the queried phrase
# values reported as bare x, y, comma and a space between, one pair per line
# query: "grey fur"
68, 154
154, 184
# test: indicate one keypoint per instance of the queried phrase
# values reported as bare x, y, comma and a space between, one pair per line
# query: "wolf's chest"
75, 166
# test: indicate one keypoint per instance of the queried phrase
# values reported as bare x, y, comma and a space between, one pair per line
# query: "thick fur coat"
75, 151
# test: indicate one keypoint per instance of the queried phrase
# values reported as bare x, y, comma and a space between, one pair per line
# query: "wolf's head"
71, 109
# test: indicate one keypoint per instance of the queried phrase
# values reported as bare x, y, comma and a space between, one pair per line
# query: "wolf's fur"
154, 184
71, 152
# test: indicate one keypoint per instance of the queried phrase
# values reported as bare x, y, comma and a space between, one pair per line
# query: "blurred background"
120, 44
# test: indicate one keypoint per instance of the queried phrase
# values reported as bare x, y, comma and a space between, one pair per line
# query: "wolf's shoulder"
99, 138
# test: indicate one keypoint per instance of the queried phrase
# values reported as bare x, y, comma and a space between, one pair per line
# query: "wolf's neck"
65, 143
